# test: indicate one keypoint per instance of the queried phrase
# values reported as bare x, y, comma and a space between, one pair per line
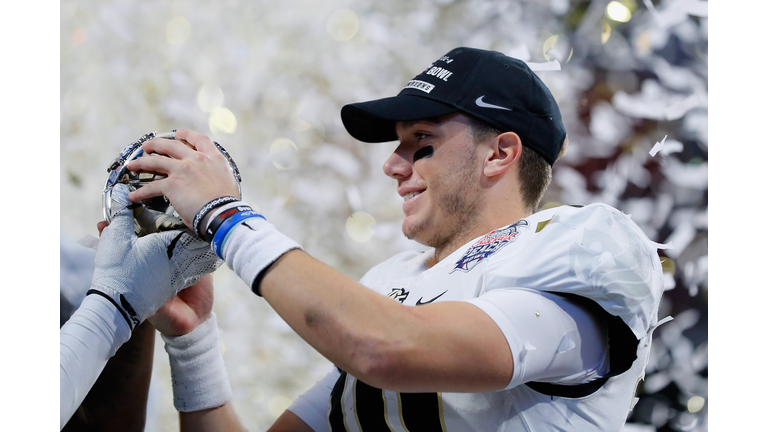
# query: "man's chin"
413, 231
418, 233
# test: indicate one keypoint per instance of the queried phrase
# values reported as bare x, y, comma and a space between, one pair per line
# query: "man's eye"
423, 152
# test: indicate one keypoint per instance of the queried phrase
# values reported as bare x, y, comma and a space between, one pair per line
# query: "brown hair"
535, 173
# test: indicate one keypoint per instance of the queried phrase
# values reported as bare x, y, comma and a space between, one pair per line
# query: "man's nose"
398, 166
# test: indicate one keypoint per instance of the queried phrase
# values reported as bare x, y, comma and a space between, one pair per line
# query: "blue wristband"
222, 233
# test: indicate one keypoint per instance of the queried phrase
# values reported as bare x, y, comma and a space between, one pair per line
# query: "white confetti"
680, 238
678, 109
657, 147
687, 175
651, 8
553, 65
89, 241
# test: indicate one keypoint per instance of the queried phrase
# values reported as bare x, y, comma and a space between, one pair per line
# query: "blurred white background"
267, 79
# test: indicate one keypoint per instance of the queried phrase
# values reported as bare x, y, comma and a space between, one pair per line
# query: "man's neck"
441, 252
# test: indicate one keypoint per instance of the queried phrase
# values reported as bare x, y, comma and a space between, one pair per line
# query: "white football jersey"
594, 255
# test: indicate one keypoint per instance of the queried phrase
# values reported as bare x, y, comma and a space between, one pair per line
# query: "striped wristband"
218, 202
226, 226
215, 218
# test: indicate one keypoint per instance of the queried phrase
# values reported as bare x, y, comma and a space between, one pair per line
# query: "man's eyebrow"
410, 123
407, 124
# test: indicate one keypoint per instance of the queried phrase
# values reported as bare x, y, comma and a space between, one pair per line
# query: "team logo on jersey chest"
488, 245
399, 294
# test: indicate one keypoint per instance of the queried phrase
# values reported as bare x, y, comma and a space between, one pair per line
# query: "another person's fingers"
101, 225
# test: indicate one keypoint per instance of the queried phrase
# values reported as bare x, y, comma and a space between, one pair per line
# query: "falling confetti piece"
548, 66
656, 148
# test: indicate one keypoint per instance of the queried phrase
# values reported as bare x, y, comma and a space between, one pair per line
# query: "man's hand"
138, 275
193, 177
186, 310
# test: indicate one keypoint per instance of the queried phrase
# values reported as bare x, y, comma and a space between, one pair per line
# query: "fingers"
201, 142
162, 165
121, 224
173, 148
101, 225
205, 282
119, 197
149, 190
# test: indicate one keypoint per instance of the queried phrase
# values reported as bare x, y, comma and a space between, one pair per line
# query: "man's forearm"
86, 342
222, 418
118, 399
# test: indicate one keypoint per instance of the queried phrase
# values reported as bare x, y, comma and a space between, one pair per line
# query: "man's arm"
383, 343
289, 422
223, 418
180, 316
118, 399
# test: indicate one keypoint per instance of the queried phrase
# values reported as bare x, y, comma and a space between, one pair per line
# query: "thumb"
122, 216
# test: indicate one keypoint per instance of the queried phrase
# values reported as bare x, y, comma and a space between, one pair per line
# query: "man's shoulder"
404, 262
599, 216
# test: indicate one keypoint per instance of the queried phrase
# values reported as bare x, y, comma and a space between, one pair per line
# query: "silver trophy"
154, 214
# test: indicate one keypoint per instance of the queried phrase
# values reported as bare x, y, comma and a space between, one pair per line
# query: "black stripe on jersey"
369, 403
421, 412
336, 412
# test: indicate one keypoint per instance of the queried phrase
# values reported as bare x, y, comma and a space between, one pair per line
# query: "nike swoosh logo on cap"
480, 103
420, 302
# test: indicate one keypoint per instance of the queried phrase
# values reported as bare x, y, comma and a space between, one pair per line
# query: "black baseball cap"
501, 91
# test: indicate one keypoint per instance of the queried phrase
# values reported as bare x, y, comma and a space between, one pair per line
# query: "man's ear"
507, 148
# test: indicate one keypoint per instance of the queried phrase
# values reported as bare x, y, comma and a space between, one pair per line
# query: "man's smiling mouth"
410, 195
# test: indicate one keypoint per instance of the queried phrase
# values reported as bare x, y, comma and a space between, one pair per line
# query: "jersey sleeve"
312, 406
551, 338
86, 342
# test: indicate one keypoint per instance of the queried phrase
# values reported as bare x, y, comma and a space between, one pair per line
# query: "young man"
512, 320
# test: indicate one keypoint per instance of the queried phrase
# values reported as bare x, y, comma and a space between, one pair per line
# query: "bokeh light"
278, 404
284, 154
548, 44
343, 25
695, 404
618, 12
177, 30
360, 226
222, 121
210, 98
256, 394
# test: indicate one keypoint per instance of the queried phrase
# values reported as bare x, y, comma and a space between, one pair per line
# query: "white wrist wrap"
197, 368
252, 246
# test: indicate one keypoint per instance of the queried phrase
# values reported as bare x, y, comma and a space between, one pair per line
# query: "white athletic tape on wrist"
252, 246
197, 368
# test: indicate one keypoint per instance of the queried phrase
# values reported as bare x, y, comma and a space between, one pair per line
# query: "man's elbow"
384, 365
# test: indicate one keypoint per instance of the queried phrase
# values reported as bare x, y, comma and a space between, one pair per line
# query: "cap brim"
374, 121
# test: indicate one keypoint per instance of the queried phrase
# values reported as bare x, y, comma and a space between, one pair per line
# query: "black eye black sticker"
423, 152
